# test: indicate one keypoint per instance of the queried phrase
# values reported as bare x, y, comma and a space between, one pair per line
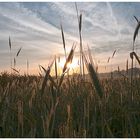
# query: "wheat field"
65, 105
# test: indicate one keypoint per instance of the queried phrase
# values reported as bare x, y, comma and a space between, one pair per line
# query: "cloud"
36, 28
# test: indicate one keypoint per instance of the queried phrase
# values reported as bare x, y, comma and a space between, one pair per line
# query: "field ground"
73, 110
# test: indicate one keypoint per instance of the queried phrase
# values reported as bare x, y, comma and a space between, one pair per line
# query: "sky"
35, 27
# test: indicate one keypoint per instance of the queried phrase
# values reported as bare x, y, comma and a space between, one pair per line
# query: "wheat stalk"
10, 46
114, 53
79, 18
108, 60
69, 58
18, 51
127, 66
17, 71
55, 67
63, 38
27, 67
68, 61
14, 62
46, 76
136, 31
94, 77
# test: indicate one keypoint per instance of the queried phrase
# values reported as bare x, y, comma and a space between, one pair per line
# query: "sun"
72, 65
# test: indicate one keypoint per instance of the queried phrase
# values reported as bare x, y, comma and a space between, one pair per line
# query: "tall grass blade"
80, 39
46, 76
136, 18
94, 78
136, 32
69, 58
63, 38
10, 43
68, 61
127, 66
10, 46
134, 54
18, 51
15, 70
61, 80
14, 62
90, 56
108, 60
53, 82
40, 68
77, 11
114, 53
80, 23
55, 67
131, 56
118, 69
45, 79
43, 68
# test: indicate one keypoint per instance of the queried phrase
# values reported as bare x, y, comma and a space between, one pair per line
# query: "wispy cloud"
36, 28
